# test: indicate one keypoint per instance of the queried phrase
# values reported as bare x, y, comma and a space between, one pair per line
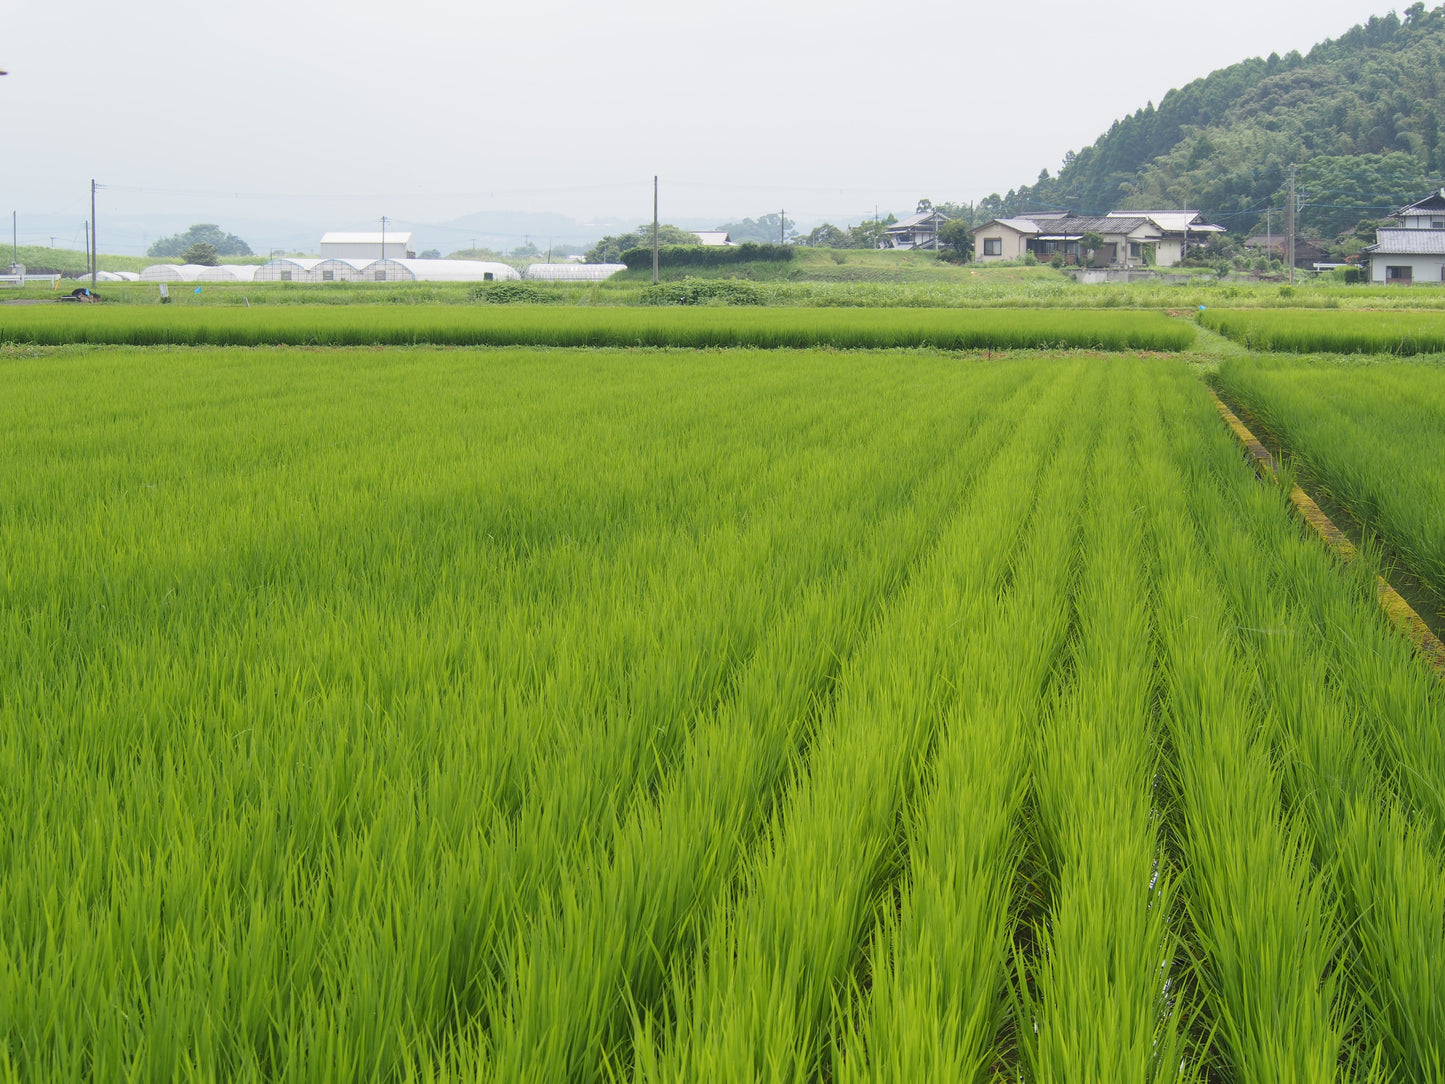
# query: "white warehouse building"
367, 246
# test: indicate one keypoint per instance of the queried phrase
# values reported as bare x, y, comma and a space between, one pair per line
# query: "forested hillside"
1359, 117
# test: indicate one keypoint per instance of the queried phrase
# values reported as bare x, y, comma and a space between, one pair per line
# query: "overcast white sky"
330, 114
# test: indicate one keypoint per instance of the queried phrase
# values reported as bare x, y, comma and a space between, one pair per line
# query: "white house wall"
1424, 268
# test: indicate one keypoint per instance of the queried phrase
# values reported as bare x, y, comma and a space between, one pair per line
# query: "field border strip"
1400, 612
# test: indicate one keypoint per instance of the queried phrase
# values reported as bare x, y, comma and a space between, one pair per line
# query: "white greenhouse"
289, 269
111, 276
173, 272
573, 272
457, 270
228, 272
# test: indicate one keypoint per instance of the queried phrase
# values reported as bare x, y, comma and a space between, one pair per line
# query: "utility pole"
1268, 235
654, 229
94, 238
87, 246
383, 237
1291, 225
782, 226
15, 237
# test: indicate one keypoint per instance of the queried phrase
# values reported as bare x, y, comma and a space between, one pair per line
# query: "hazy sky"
327, 114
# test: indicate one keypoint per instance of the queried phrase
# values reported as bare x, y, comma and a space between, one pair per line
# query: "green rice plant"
550, 325
1352, 332
603, 949
758, 1003
1267, 936
1347, 748
1095, 988
940, 963
1367, 435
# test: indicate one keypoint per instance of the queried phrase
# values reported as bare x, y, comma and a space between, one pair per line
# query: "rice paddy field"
549, 325
537, 714
1343, 332
1369, 432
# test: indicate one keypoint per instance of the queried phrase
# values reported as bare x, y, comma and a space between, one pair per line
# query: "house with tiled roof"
1122, 241
1413, 251
915, 231
1130, 238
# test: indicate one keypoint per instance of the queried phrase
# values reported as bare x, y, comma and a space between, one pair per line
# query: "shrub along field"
548, 325
1371, 435
559, 715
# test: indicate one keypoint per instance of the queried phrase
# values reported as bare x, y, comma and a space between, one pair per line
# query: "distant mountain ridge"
1358, 115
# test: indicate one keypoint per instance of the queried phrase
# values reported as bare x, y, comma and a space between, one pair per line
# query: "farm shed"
289, 269
395, 245
572, 272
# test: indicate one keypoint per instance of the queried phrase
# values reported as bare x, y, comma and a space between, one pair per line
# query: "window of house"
993, 246
1437, 223
1135, 252
1399, 274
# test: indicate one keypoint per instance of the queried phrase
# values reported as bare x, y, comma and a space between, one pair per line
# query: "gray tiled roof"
1409, 242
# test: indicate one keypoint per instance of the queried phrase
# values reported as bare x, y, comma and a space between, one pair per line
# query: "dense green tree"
1224, 143
225, 244
610, 249
957, 239
201, 253
765, 230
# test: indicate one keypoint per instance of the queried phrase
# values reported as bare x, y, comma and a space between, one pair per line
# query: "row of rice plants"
628, 901
1357, 735
1369, 436
940, 969
1098, 989
1341, 332
246, 590
546, 325
1264, 930
765, 982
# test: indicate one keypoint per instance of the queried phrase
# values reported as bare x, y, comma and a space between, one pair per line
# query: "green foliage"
225, 244
201, 253
764, 230
696, 255
1358, 114
512, 292
610, 249
692, 291
956, 235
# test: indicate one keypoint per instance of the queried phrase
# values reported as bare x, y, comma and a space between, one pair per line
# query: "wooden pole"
94, 234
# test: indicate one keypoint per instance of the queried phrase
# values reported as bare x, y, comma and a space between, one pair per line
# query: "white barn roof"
342, 237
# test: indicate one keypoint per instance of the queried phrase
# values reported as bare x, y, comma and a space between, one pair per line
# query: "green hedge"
707, 255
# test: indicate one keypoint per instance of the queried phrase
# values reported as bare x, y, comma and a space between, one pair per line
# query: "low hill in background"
1359, 116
